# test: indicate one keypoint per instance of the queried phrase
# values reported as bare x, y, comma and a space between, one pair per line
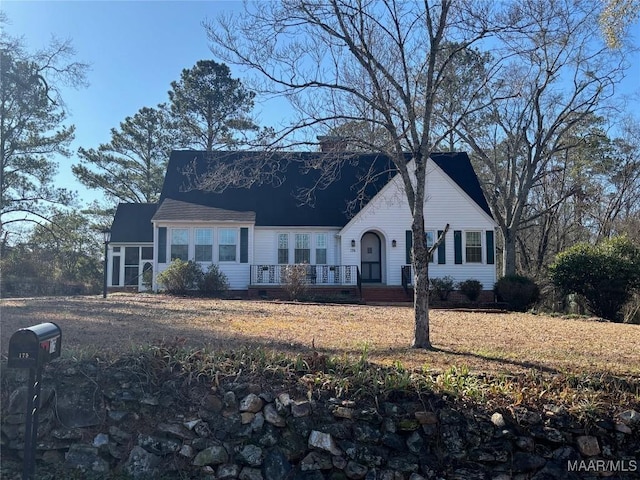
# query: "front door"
370, 258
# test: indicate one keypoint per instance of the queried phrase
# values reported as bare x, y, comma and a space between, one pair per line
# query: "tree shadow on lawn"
499, 362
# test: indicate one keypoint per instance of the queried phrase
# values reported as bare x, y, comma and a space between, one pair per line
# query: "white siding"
389, 216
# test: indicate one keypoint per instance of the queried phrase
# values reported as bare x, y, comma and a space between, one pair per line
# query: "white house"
252, 232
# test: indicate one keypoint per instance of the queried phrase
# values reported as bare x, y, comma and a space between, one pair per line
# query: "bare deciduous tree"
376, 63
557, 73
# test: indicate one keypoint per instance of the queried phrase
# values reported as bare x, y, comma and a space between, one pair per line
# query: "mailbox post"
32, 348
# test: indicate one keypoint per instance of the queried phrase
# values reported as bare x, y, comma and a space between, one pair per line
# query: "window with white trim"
473, 247
180, 244
227, 244
283, 248
321, 248
302, 252
204, 245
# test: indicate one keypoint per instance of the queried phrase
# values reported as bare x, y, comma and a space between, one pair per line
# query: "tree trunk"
421, 302
420, 263
509, 252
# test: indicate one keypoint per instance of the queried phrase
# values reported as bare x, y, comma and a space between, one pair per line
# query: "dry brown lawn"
484, 342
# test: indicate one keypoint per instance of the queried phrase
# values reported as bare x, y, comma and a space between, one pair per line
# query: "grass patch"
348, 350
317, 376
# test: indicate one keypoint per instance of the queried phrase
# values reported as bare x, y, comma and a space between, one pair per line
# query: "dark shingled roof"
132, 223
278, 205
174, 210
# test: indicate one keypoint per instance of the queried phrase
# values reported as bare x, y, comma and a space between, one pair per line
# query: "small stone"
100, 440
258, 422
301, 409
191, 423
271, 416
186, 451
389, 426
212, 403
284, 399
228, 471
141, 463
622, 428
214, 455
316, 461
365, 433
248, 473
251, 403
247, 417
276, 466
408, 425
498, 420
202, 430
339, 462
630, 417
250, 455
588, 445
119, 435
229, 399
323, 441
52, 457
415, 443
426, 418
343, 412
355, 471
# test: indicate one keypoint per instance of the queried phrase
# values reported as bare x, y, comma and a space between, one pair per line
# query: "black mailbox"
34, 346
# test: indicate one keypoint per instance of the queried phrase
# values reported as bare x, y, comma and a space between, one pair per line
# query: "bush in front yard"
605, 275
214, 282
180, 277
442, 287
521, 293
294, 280
470, 289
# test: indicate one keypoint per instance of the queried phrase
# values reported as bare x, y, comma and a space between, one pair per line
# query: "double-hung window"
204, 245
430, 234
283, 248
180, 244
321, 248
227, 244
302, 252
473, 247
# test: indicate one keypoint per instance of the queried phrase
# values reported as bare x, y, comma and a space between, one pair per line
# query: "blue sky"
135, 49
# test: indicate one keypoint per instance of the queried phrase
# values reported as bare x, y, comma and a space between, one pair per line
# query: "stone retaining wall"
101, 420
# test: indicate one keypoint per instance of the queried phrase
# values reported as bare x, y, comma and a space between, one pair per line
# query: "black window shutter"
490, 256
457, 246
244, 245
162, 245
442, 252
409, 246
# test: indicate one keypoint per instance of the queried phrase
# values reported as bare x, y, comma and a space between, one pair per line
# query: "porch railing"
309, 274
